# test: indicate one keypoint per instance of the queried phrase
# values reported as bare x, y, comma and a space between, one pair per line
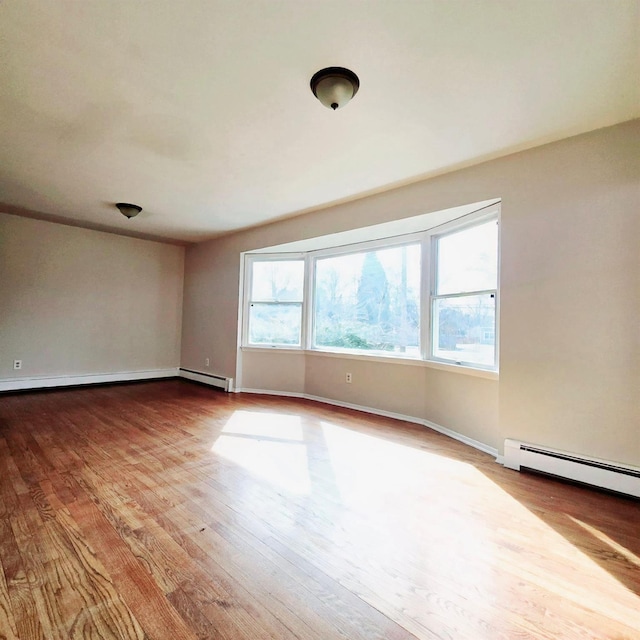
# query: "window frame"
427, 240
249, 261
395, 242
444, 231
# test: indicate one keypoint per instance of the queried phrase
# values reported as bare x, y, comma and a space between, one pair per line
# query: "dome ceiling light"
334, 86
128, 210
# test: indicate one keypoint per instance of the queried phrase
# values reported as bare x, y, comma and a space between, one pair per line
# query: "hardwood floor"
166, 510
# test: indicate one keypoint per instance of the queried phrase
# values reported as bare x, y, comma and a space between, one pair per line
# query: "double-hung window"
464, 295
274, 303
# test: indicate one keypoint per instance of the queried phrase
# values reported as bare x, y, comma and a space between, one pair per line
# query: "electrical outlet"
17, 364
206, 362
348, 378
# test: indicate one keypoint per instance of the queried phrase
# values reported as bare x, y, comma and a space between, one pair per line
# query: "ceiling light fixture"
334, 86
128, 210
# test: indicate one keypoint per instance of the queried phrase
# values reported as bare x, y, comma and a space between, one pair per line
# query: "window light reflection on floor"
268, 445
603, 537
381, 482
371, 491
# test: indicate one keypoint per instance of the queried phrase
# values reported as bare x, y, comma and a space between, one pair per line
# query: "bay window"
428, 296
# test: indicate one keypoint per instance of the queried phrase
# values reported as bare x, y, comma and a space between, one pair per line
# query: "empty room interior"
320, 320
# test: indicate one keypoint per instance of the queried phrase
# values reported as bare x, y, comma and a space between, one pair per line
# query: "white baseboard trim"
358, 407
492, 451
25, 384
268, 392
476, 444
210, 379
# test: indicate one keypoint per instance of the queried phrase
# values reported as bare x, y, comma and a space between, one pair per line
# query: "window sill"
392, 359
287, 350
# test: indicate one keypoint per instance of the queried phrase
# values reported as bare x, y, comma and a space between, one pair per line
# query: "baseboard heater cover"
212, 380
598, 473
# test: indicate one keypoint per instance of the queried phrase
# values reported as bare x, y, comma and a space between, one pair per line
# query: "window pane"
468, 260
277, 281
464, 329
369, 301
275, 323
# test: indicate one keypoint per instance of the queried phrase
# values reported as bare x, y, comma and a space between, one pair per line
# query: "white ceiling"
200, 110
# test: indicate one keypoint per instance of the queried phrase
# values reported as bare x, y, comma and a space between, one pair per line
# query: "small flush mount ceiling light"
334, 86
128, 210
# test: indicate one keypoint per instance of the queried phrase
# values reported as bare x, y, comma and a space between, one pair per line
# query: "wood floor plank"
84, 591
105, 608
8, 627
138, 590
18, 580
166, 510
440, 606
20, 601
71, 591
325, 596
186, 585
255, 615
17, 605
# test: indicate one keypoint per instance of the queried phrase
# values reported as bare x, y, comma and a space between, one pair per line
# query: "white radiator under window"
599, 473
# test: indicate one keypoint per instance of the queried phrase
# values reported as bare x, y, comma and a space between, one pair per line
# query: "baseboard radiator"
226, 384
598, 473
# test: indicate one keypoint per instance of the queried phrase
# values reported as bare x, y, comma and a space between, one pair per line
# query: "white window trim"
427, 240
307, 309
492, 213
354, 249
248, 261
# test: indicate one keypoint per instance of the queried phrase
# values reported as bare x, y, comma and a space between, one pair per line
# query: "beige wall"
74, 301
570, 300
465, 404
284, 371
570, 365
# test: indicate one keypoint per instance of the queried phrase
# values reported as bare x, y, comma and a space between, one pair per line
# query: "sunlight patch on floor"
373, 472
263, 423
269, 446
603, 537
424, 510
384, 481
